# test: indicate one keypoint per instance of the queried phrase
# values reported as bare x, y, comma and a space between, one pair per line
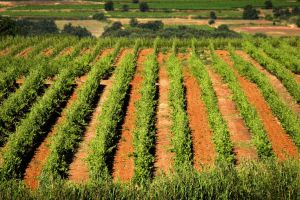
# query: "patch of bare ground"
203, 148
25, 52
163, 155
4, 52
239, 133
66, 51
102, 54
282, 145
123, 165
48, 52
78, 171
297, 77
275, 82
40, 156
85, 51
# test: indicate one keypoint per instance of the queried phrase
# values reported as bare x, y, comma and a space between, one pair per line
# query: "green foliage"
221, 138
289, 120
99, 16
250, 12
144, 7
76, 31
109, 6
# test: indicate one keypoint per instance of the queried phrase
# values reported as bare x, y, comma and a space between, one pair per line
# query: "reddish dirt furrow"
4, 52
37, 162
275, 82
163, 155
203, 148
239, 133
297, 77
282, 144
48, 52
102, 54
66, 51
123, 165
78, 172
25, 52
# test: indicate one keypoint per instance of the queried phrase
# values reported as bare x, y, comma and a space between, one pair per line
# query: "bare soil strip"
37, 162
123, 165
239, 133
297, 77
79, 172
163, 155
48, 52
282, 144
25, 52
203, 148
275, 82
4, 52
66, 51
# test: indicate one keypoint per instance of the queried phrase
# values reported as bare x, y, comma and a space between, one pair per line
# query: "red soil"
78, 172
239, 133
103, 53
123, 166
203, 148
275, 82
282, 144
48, 52
25, 52
297, 77
39, 159
85, 51
163, 155
4, 52
66, 51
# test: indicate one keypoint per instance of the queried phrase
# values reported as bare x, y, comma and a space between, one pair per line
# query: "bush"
298, 22
260, 35
152, 25
144, 7
125, 8
268, 4
76, 30
223, 27
250, 13
212, 15
211, 21
7, 26
99, 16
109, 6
36, 27
135, 1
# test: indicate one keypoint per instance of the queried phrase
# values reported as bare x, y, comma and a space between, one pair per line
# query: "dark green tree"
268, 4
144, 7
109, 6
76, 30
212, 15
250, 12
7, 26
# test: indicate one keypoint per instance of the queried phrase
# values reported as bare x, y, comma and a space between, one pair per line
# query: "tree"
223, 27
296, 10
109, 6
250, 12
268, 4
99, 16
125, 8
212, 15
211, 21
37, 27
144, 7
133, 22
298, 22
7, 26
76, 30
135, 1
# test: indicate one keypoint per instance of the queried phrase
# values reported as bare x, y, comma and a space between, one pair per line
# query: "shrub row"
22, 143
144, 131
283, 74
181, 137
66, 140
248, 112
104, 143
221, 138
287, 118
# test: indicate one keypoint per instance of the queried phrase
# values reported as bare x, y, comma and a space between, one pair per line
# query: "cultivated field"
221, 113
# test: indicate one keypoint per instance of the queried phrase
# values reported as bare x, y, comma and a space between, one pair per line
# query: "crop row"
287, 118
283, 74
248, 112
288, 60
104, 143
181, 137
70, 132
32, 128
221, 138
144, 132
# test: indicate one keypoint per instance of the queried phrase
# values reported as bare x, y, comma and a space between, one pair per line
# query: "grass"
251, 180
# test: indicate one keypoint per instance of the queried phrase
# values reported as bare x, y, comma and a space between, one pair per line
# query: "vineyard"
149, 119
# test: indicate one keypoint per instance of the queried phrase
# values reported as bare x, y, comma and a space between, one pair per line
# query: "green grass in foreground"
251, 180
